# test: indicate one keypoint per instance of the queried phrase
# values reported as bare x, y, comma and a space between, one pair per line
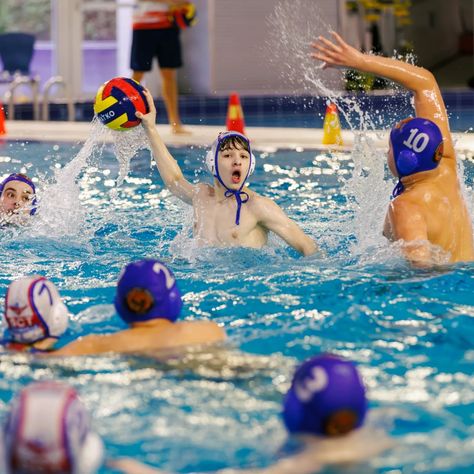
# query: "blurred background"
236, 45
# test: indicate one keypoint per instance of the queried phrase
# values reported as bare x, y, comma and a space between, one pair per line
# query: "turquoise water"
410, 331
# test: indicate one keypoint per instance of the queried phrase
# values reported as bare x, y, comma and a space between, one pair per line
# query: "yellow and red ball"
117, 101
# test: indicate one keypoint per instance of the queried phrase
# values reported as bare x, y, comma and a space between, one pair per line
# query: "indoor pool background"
410, 331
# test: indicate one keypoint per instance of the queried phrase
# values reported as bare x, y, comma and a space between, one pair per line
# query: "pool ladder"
33, 82
53, 81
18, 81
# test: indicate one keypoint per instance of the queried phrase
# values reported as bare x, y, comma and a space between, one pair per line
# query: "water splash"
60, 212
126, 145
294, 25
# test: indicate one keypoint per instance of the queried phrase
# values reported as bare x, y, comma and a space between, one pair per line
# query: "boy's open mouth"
236, 176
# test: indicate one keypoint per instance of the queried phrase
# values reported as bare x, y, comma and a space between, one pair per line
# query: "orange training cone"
331, 127
3, 130
235, 116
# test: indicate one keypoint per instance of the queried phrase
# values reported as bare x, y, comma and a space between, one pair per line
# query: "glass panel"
99, 45
32, 16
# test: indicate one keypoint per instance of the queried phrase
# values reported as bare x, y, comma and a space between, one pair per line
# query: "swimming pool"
411, 331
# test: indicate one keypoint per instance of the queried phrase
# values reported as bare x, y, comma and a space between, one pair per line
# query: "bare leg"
138, 76
170, 97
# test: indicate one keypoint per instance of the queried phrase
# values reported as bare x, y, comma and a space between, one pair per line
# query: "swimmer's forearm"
169, 169
308, 247
412, 77
338, 53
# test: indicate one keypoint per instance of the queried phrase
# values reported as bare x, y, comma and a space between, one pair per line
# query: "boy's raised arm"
428, 100
167, 166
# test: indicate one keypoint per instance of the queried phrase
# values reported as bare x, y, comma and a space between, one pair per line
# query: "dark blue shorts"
165, 44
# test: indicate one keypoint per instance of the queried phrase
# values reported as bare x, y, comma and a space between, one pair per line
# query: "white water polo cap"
48, 431
34, 310
213, 167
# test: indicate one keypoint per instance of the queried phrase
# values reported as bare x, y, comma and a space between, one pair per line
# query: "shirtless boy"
428, 208
228, 213
149, 301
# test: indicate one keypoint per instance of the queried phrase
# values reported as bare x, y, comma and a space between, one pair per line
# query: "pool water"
411, 331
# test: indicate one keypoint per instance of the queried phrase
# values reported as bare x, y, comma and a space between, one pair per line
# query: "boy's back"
440, 205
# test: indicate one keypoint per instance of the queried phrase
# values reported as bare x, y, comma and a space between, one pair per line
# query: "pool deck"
262, 137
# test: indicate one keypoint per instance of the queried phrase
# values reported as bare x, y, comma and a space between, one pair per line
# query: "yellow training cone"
332, 126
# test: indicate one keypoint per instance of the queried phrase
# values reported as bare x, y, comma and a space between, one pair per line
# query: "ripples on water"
411, 331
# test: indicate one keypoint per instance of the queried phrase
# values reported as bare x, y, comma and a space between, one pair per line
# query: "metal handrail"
52, 81
33, 82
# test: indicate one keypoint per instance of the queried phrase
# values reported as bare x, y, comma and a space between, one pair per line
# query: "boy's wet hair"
234, 142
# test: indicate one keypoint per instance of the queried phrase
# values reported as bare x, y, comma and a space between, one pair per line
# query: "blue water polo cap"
326, 397
24, 179
417, 146
147, 290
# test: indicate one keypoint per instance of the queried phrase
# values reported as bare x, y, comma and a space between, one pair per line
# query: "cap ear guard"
211, 161
92, 455
59, 319
34, 310
407, 162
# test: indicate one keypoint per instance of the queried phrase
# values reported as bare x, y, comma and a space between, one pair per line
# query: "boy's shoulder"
259, 201
205, 188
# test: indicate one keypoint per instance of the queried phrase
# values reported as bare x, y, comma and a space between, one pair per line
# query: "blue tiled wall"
301, 111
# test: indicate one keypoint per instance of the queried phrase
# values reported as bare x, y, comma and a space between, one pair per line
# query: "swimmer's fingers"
329, 54
150, 117
329, 44
337, 55
339, 40
150, 101
329, 59
326, 61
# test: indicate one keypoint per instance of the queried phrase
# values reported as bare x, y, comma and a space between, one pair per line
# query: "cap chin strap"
398, 189
241, 197
232, 192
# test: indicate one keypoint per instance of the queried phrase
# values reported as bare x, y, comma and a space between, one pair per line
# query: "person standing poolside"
35, 315
428, 207
227, 214
149, 301
156, 34
48, 430
325, 407
17, 199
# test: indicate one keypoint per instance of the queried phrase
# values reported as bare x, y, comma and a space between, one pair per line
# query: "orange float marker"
3, 130
332, 127
235, 115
